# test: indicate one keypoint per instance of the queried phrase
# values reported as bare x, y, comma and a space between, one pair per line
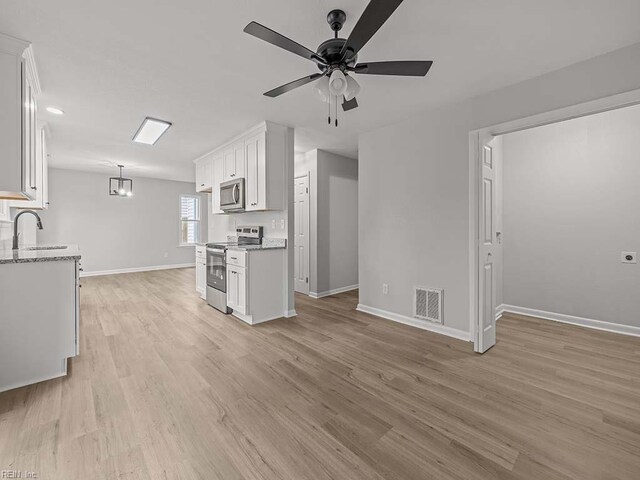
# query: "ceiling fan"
337, 57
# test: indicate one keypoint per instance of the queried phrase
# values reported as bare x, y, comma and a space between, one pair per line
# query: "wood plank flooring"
167, 388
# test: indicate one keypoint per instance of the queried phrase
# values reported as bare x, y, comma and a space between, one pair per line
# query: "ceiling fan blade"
349, 104
281, 41
373, 17
409, 68
291, 85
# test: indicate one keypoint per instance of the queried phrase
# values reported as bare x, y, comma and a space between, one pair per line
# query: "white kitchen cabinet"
237, 289
256, 171
39, 173
19, 87
260, 157
256, 284
38, 336
218, 175
234, 161
204, 177
201, 270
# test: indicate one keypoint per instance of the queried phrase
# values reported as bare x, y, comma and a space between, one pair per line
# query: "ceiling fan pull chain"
336, 110
329, 116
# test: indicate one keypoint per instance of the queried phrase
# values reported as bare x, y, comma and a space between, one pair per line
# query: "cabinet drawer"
201, 251
237, 258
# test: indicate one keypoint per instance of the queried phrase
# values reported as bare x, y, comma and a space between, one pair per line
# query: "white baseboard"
414, 322
290, 313
136, 269
333, 292
580, 321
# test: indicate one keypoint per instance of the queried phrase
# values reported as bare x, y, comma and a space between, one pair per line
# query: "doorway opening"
550, 235
326, 223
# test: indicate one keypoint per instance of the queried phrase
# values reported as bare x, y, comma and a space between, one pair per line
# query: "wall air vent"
428, 304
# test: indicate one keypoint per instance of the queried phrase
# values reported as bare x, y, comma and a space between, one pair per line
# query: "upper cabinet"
204, 178
234, 162
20, 170
38, 174
256, 169
259, 156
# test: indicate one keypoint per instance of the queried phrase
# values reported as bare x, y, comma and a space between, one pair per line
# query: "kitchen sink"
51, 247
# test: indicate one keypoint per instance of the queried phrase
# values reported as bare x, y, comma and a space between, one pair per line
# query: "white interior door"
301, 234
487, 246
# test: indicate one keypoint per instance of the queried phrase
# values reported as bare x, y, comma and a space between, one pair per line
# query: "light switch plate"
629, 257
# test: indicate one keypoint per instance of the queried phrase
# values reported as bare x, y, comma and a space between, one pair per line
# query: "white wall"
116, 233
414, 180
333, 220
571, 197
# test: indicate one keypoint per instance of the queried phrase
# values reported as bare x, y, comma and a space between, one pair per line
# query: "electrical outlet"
385, 289
273, 223
166, 255
282, 223
629, 257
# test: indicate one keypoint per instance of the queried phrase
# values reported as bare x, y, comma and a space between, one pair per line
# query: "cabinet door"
36, 171
217, 178
241, 298
232, 287
229, 164
45, 168
203, 175
256, 181
239, 160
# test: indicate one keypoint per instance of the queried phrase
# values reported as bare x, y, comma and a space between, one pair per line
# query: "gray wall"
570, 208
116, 233
333, 220
414, 183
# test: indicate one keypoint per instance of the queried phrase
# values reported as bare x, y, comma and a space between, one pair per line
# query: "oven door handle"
215, 250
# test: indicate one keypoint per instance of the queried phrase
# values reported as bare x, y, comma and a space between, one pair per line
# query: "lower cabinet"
201, 271
237, 289
256, 284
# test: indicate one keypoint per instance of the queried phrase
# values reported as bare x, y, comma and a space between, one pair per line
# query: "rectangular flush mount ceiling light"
151, 130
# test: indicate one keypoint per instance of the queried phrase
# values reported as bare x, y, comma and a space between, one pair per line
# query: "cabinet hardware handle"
81, 269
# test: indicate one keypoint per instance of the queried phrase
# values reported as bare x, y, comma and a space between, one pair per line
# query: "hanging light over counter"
120, 186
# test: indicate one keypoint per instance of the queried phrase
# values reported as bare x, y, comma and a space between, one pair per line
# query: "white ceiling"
108, 64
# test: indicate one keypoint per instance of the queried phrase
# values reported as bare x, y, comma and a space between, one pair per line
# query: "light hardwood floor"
167, 388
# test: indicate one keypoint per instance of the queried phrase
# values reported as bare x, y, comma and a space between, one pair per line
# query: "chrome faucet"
15, 226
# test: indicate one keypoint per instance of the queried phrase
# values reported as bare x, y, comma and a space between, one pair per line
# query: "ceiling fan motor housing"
335, 19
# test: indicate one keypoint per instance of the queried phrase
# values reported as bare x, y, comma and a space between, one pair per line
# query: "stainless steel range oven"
217, 278
217, 265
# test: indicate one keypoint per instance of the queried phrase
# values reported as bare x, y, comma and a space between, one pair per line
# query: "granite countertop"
45, 254
246, 248
267, 244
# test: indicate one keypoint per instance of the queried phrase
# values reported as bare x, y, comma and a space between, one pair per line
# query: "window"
189, 219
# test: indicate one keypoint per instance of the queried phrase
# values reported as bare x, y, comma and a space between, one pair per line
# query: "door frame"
308, 176
613, 102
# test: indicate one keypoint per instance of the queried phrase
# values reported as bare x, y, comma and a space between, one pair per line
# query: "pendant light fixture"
120, 186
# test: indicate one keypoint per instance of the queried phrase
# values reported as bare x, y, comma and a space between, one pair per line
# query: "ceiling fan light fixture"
322, 89
353, 88
337, 83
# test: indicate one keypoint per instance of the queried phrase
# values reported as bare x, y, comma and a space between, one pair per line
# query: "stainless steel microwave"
232, 195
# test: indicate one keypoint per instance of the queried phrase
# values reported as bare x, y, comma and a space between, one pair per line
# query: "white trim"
580, 321
334, 291
263, 126
31, 69
499, 311
290, 313
136, 269
414, 322
592, 107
